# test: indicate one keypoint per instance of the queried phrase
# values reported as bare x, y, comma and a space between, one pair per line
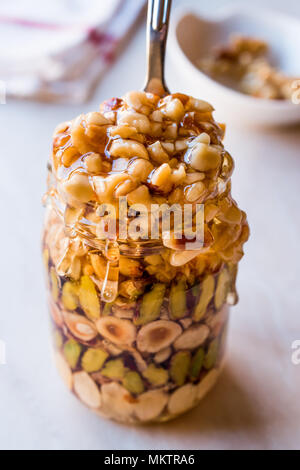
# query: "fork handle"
157, 33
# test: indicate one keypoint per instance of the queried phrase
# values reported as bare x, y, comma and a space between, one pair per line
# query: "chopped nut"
118, 331
93, 163
180, 364
93, 360
203, 157
140, 101
87, 390
79, 187
116, 401
133, 382
150, 405
140, 169
72, 351
157, 335
114, 369
182, 399
193, 337
64, 370
207, 383
157, 153
140, 195
161, 178
88, 298
80, 327
128, 149
137, 120
151, 305
162, 355
173, 109
195, 192
157, 376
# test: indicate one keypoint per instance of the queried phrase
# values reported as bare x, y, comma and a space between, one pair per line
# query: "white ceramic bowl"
192, 37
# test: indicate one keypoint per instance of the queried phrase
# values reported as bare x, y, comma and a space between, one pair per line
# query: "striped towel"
57, 50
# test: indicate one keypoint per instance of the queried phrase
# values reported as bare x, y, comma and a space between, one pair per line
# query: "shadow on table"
227, 407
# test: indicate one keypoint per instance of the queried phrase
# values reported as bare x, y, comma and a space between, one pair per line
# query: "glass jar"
140, 323
154, 351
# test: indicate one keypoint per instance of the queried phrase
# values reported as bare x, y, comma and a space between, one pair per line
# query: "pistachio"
180, 364
222, 288
211, 355
114, 369
207, 292
70, 296
151, 305
93, 359
133, 382
88, 298
55, 284
157, 376
72, 351
197, 363
178, 306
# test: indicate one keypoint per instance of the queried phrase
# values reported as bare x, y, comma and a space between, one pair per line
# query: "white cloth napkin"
57, 50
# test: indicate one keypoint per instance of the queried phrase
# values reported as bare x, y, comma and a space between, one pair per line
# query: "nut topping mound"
152, 150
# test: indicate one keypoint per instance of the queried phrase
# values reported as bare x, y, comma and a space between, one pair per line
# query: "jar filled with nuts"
139, 322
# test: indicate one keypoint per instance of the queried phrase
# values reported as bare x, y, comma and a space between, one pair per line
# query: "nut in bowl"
140, 324
267, 91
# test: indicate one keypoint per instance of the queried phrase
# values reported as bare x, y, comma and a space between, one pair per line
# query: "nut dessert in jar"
139, 324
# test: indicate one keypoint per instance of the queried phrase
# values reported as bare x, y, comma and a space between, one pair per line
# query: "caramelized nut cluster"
245, 64
153, 151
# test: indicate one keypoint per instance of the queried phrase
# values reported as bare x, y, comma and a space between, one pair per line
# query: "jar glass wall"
151, 354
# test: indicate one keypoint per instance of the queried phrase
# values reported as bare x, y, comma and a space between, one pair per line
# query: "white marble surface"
256, 402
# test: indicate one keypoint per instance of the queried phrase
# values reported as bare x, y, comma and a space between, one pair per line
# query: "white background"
256, 403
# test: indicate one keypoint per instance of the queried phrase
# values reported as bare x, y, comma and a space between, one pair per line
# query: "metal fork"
157, 33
